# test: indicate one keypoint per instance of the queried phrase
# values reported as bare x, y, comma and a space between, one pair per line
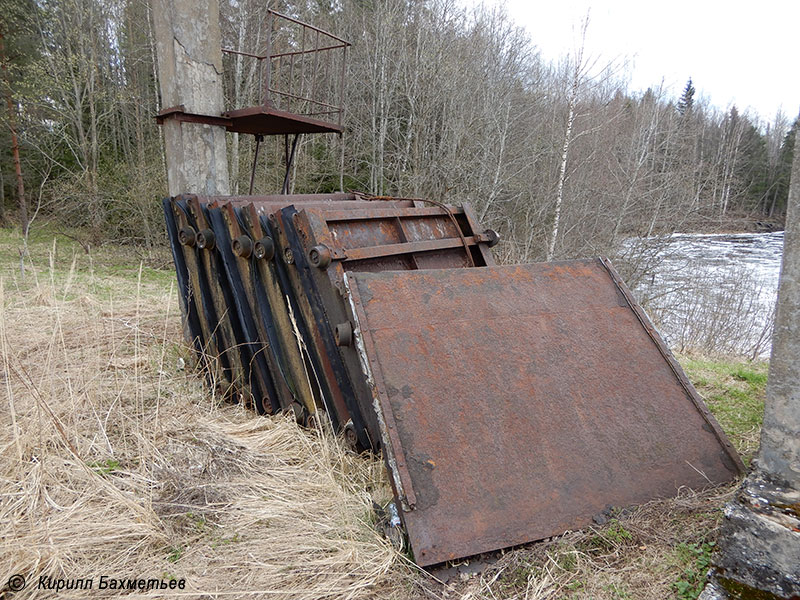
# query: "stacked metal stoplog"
510, 403
261, 285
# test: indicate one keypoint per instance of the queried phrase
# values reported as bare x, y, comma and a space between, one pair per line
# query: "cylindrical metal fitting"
186, 236
205, 239
242, 246
264, 249
320, 256
344, 334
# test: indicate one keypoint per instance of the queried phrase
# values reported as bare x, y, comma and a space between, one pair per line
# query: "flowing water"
715, 292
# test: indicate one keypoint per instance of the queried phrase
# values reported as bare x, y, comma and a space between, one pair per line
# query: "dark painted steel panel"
517, 402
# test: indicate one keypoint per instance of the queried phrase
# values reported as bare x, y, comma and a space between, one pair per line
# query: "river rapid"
715, 293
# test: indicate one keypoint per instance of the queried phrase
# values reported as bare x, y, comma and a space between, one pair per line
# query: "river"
715, 292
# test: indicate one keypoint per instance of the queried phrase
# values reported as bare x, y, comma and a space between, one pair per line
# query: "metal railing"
303, 69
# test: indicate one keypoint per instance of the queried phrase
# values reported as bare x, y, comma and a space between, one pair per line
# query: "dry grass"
117, 462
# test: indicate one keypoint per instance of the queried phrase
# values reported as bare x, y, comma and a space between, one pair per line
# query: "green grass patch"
104, 467
696, 559
55, 261
734, 390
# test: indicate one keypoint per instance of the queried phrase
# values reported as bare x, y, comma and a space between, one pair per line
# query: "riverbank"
118, 462
732, 223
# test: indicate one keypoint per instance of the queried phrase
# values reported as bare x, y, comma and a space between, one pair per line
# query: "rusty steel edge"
669, 357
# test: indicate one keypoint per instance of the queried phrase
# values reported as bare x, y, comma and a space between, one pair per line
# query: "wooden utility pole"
190, 75
759, 546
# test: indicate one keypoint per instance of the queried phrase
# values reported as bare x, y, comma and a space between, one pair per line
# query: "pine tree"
687, 99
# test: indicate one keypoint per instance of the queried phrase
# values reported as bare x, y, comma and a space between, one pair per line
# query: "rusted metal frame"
271, 388
691, 392
261, 305
218, 298
314, 232
188, 303
312, 27
323, 326
447, 209
219, 367
321, 395
474, 225
353, 254
390, 440
224, 303
280, 200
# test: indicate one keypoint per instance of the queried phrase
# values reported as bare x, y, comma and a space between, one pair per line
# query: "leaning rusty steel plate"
516, 402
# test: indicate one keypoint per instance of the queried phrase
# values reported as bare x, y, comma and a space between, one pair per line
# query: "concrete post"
759, 543
190, 73
780, 437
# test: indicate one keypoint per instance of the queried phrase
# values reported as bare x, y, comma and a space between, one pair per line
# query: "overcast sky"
743, 53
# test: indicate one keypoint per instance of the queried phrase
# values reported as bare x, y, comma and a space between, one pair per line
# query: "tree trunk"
23, 205
562, 171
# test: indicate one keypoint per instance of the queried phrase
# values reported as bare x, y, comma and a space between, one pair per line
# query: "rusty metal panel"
323, 243
516, 402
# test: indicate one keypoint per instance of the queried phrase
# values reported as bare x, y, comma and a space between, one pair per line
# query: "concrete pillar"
190, 73
779, 454
758, 552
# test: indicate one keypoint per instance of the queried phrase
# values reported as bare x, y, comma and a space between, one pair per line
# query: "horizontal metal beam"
407, 248
385, 213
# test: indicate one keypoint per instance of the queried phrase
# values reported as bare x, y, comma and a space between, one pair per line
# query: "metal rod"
317, 29
289, 161
280, 93
341, 86
268, 66
303, 63
291, 79
315, 71
255, 160
296, 52
250, 54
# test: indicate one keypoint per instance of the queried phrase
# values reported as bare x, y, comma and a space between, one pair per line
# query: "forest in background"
442, 102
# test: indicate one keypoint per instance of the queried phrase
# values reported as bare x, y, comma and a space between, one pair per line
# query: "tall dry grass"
117, 462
